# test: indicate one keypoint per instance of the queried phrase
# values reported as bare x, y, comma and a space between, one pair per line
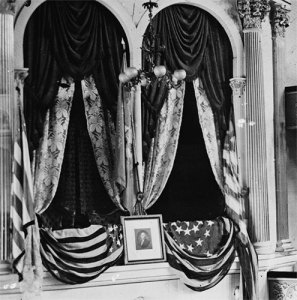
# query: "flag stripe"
22, 207
196, 284
99, 248
80, 239
235, 209
210, 270
88, 246
54, 248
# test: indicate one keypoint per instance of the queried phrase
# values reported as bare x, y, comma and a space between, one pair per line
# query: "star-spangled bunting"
200, 238
201, 252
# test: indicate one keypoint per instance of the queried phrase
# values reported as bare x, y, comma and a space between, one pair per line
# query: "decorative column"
7, 113
19, 77
252, 13
238, 86
279, 22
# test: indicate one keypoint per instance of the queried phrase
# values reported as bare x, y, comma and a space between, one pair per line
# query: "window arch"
195, 41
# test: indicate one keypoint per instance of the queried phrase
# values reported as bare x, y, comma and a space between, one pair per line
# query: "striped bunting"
233, 196
196, 269
78, 255
22, 208
235, 209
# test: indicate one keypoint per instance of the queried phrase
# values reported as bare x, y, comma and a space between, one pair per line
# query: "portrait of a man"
143, 239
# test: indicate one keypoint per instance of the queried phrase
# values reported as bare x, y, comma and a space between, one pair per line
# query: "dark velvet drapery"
196, 42
69, 38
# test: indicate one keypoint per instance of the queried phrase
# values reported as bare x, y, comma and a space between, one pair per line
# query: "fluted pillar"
279, 21
238, 86
7, 112
252, 13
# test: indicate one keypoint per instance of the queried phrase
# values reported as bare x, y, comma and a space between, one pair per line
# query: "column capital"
7, 6
252, 12
19, 77
279, 19
21, 74
238, 85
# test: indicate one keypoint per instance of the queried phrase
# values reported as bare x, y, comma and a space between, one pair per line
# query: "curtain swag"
196, 42
69, 39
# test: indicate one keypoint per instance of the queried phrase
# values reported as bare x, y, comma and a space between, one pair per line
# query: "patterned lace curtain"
49, 158
102, 133
210, 132
163, 147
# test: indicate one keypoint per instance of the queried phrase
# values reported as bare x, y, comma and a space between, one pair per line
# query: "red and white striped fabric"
78, 255
235, 210
25, 235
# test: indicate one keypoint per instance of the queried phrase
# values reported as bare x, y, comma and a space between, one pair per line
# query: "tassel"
139, 209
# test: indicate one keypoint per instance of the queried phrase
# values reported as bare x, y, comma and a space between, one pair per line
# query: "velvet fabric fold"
70, 39
196, 42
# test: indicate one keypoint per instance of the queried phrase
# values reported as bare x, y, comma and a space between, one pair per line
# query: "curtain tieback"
139, 209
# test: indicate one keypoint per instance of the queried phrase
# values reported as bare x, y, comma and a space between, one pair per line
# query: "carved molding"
21, 74
279, 19
7, 6
19, 77
252, 12
238, 85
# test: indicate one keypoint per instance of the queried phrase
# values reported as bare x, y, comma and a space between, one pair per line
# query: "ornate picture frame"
143, 239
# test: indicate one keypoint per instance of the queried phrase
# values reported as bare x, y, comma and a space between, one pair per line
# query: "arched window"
196, 42
74, 52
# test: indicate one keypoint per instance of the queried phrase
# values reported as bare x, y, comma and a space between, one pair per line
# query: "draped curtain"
50, 155
196, 42
163, 147
69, 39
210, 133
125, 172
192, 185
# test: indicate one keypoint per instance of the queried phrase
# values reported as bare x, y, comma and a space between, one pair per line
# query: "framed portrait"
143, 239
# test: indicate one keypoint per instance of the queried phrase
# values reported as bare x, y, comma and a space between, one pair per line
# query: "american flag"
199, 238
235, 209
200, 251
77, 255
22, 206
233, 195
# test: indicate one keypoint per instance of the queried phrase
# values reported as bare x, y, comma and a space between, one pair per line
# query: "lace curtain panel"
163, 147
210, 132
51, 153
